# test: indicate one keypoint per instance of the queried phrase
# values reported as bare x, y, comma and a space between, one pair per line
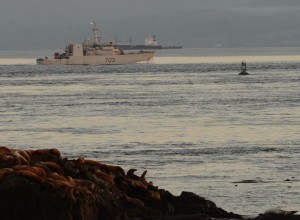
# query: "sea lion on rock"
85, 183
44, 167
105, 177
79, 162
131, 175
109, 169
135, 183
64, 184
37, 170
4, 172
29, 152
54, 167
65, 188
86, 187
92, 164
116, 170
71, 166
56, 176
132, 201
142, 179
8, 160
149, 185
24, 154
154, 195
46, 155
19, 157
4, 150
30, 175
121, 184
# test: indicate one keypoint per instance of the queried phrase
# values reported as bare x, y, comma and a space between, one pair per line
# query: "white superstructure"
95, 53
150, 40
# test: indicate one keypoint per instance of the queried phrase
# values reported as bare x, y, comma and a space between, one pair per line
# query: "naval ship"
151, 43
95, 53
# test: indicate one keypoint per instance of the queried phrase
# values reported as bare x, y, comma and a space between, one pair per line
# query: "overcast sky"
41, 24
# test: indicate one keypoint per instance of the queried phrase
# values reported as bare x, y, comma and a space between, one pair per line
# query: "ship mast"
96, 37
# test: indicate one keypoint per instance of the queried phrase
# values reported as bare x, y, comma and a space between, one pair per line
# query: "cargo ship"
151, 43
95, 53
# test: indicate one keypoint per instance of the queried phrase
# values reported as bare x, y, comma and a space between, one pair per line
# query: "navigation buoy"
243, 69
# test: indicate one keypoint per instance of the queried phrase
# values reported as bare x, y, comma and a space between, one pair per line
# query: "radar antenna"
96, 37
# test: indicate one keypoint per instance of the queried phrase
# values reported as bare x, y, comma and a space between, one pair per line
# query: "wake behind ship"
94, 53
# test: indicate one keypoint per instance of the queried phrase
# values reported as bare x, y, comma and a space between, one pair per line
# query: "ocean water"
186, 117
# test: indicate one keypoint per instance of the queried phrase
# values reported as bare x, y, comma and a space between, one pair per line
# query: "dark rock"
177, 217
41, 185
277, 217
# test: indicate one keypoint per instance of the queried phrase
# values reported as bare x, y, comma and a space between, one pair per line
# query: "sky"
41, 24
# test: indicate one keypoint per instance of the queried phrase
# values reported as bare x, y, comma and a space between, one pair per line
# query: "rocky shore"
43, 185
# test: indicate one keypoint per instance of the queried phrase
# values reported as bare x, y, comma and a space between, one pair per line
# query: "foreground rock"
41, 184
278, 214
277, 217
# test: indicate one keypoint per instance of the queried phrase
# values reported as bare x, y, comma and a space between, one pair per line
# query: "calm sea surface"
187, 117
